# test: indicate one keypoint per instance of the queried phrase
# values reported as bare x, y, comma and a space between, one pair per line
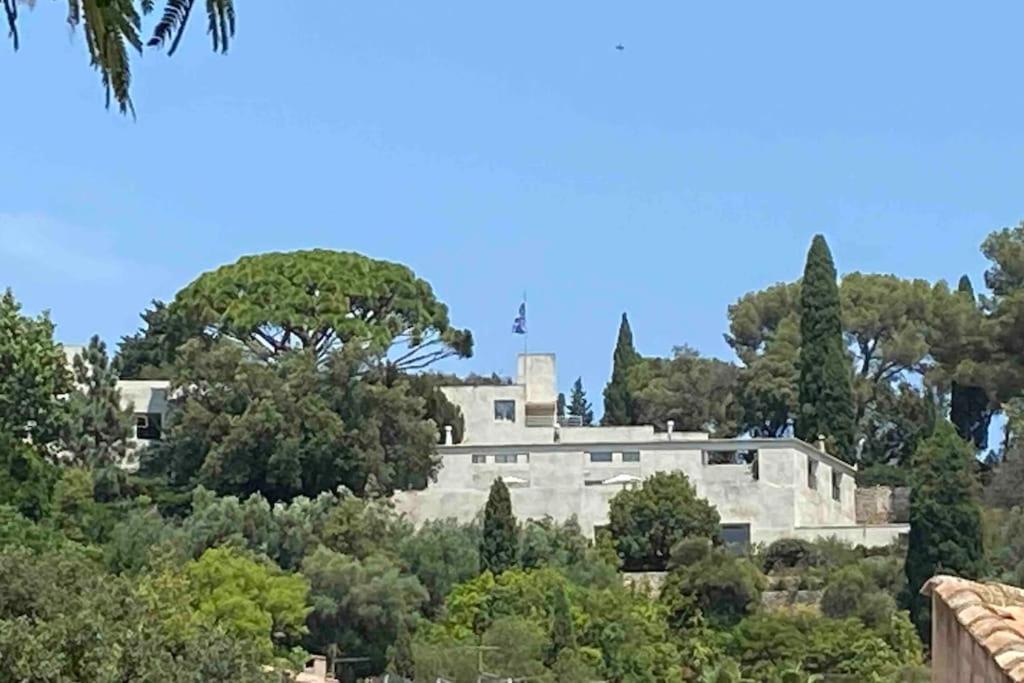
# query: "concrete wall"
956, 656
477, 405
536, 371
560, 480
867, 535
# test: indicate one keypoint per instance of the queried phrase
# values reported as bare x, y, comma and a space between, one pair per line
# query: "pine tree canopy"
618, 401
499, 545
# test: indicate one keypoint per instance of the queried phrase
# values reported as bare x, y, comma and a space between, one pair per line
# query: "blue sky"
496, 149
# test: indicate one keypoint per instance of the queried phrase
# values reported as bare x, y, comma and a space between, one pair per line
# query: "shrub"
790, 553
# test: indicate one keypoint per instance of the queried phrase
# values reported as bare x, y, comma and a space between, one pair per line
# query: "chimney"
447, 435
821, 442
670, 426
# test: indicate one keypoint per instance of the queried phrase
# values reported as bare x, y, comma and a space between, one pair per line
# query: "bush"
790, 553
721, 588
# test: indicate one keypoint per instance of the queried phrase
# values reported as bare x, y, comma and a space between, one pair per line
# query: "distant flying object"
620, 47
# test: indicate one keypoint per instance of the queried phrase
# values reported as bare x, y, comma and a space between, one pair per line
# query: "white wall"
555, 477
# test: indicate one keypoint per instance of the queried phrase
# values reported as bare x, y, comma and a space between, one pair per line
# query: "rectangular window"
148, 426
601, 456
630, 456
837, 481
812, 474
479, 458
735, 537
593, 482
505, 411
729, 457
506, 458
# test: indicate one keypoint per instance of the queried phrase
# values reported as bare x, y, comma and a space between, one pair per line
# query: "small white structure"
764, 489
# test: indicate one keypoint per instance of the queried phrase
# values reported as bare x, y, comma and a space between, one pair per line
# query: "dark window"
631, 456
601, 456
837, 480
479, 458
506, 458
148, 425
812, 473
593, 482
729, 457
505, 411
735, 537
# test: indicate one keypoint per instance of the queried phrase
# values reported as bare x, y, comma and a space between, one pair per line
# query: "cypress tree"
579, 405
563, 632
402, 662
618, 401
826, 395
969, 409
560, 407
498, 547
945, 519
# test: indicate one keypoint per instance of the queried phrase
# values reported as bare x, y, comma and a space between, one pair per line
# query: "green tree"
560, 406
563, 632
26, 479
441, 554
113, 28
646, 522
945, 519
712, 584
358, 604
697, 394
254, 602
826, 398
34, 376
970, 410
320, 301
290, 428
499, 543
97, 429
150, 353
579, 406
618, 401
402, 661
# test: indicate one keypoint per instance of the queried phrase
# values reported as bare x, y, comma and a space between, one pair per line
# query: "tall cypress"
945, 519
969, 409
618, 401
563, 632
826, 395
498, 546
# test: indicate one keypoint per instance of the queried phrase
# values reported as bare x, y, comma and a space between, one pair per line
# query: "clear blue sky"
496, 149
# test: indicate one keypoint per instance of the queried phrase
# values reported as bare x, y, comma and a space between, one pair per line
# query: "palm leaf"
11, 10
172, 24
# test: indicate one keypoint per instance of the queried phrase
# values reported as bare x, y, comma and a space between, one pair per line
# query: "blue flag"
519, 326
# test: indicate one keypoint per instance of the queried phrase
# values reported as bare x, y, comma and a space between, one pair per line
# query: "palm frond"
172, 24
11, 10
221, 22
109, 27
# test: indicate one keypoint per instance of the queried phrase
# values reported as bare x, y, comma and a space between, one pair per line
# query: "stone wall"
883, 505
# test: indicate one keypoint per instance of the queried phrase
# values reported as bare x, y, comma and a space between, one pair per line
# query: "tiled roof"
992, 613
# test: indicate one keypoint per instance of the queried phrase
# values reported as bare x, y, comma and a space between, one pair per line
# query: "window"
631, 456
812, 474
729, 457
506, 458
479, 458
601, 456
593, 482
148, 426
735, 537
505, 411
837, 481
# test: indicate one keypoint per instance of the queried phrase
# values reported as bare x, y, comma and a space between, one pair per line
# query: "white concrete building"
764, 489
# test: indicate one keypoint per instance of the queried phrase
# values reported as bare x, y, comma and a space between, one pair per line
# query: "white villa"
764, 489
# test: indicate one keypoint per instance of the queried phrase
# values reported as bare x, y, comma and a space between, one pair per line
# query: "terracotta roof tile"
992, 613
